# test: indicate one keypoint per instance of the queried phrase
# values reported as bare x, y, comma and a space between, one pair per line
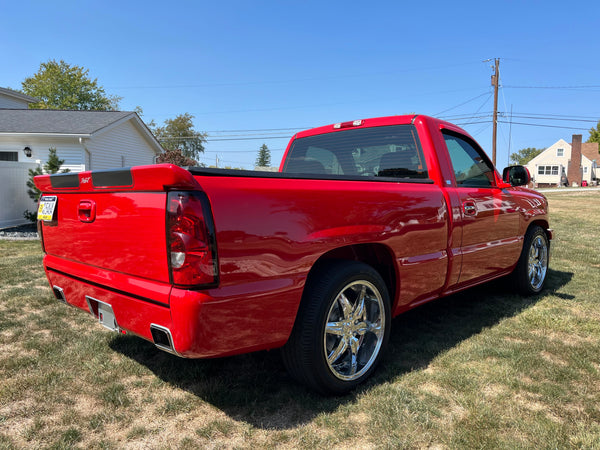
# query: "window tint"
390, 151
471, 167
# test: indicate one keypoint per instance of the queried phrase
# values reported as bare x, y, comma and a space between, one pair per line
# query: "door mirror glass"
516, 175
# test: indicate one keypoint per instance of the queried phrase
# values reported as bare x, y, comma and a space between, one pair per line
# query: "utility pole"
495, 82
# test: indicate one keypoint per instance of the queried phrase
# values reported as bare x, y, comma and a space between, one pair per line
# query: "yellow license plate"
47, 207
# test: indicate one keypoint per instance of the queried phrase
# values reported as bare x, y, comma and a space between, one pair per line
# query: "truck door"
489, 215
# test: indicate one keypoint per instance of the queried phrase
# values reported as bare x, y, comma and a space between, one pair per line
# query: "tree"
595, 134
59, 85
175, 157
179, 133
53, 165
525, 155
264, 156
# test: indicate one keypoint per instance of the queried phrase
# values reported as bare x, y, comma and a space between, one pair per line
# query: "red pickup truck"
363, 221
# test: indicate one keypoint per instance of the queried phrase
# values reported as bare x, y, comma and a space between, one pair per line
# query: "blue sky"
276, 66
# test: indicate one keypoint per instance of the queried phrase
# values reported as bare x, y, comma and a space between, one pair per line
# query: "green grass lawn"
482, 369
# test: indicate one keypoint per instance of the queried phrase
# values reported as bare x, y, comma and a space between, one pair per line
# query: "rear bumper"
197, 324
134, 314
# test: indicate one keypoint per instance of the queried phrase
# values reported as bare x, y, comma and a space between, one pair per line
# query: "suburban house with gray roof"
86, 140
15, 100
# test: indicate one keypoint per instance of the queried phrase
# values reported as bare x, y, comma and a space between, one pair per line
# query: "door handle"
469, 209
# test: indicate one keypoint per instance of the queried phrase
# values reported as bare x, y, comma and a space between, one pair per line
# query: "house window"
560, 152
9, 156
585, 169
548, 170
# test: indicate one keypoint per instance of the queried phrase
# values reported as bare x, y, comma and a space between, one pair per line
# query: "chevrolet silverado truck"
364, 220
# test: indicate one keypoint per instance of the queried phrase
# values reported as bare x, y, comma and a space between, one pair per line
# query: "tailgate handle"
87, 211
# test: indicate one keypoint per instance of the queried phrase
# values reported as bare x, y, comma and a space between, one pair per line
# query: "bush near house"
53, 165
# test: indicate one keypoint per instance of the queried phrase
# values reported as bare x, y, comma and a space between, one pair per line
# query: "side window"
471, 167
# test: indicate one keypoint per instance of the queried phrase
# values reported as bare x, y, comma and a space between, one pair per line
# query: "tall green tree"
595, 134
264, 156
179, 133
53, 165
59, 85
525, 155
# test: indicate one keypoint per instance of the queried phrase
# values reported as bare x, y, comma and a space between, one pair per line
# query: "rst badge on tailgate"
47, 207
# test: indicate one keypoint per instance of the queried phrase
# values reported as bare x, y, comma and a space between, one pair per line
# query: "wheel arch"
543, 223
378, 256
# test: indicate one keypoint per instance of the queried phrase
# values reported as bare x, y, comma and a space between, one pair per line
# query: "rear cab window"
471, 165
388, 152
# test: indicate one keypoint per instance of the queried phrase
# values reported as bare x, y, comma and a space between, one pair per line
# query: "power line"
474, 116
460, 119
558, 115
544, 126
361, 76
591, 86
461, 104
258, 129
553, 118
185, 138
242, 151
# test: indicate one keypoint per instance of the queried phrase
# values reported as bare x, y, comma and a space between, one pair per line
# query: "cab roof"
380, 122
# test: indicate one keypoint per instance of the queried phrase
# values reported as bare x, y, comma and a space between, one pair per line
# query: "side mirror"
516, 175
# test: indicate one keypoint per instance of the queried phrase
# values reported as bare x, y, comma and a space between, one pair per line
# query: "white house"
86, 140
555, 165
15, 100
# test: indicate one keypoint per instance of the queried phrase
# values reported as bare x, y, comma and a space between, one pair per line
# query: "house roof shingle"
590, 151
49, 121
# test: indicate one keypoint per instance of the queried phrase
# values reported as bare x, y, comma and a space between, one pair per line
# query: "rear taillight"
191, 240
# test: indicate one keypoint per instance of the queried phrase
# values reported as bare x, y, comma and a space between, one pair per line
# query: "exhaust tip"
59, 294
162, 338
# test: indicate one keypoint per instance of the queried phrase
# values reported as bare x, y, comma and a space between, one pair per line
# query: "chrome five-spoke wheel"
532, 268
538, 262
341, 329
354, 330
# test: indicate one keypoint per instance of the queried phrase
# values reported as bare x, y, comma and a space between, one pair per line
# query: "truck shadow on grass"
256, 389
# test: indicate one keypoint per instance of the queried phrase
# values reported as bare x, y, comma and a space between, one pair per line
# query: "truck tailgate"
126, 235
112, 220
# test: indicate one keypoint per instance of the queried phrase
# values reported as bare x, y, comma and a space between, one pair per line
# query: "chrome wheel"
537, 262
354, 331
341, 329
532, 268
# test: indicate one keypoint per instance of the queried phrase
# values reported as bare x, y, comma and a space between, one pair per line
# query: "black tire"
532, 268
353, 298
